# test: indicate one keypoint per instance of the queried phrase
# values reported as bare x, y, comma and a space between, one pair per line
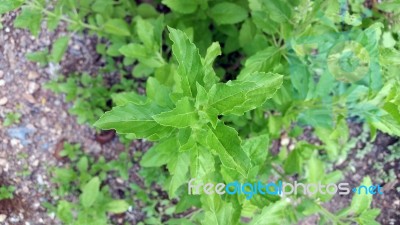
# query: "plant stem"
37, 5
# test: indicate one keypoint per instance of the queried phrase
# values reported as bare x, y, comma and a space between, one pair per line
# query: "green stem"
35, 4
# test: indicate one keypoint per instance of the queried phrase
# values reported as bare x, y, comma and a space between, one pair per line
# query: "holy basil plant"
184, 118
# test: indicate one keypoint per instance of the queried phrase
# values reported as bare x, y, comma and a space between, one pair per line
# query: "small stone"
2, 82
29, 98
120, 181
25, 189
7, 30
3, 162
2, 218
39, 180
35, 163
14, 142
1, 73
285, 141
32, 87
3, 101
32, 75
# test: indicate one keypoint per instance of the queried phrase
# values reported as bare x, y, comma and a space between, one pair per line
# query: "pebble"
32, 75
35, 163
2, 218
39, 180
25, 189
29, 98
2, 82
3, 101
3, 162
285, 141
119, 180
1, 73
32, 87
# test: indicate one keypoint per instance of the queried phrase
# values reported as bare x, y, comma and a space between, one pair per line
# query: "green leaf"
135, 119
362, 201
217, 211
59, 48
9, 5
226, 143
239, 96
124, 98
64, 175
181, 6
184, 115
293, 163
160, 154
90, 192
190, 65
143, 55
83, 164
146, 10
274, 214
368, 217
158, 93
209, 75
39, 56
64, 211
202, 162
29, 19
228, 13
117, 206
263, 61
257, 148
178, 168
117, 27
316, 170
145, 32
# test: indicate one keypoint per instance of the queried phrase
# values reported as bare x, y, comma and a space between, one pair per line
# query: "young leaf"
160, 154
181, 6
135, 119
190, 65
83, 164
64, 211
124, 98
272, 215
117, 206
202, 162
117, 27
362, 201
29, 19
217, 211
59, 48
145, 32
226, 143
316, 170
368, 217
90, 192
158, 93
257, 148
9, 5
209, 75
293, 162
240, 96
184, 115
228, 13
178, 168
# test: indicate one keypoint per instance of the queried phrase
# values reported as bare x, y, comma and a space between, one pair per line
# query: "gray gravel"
27, 148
